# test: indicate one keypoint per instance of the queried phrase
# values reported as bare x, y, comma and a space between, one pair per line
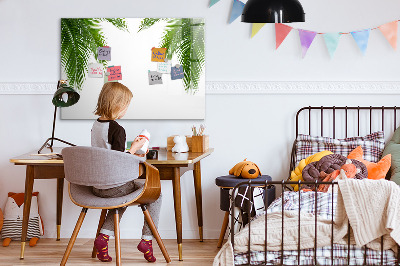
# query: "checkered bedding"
372, 145
323, 207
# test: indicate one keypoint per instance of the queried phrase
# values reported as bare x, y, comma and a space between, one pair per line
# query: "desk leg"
60, 190
176, 182
199, 204
27, 206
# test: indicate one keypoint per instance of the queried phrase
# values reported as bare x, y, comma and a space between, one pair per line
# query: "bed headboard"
344, 121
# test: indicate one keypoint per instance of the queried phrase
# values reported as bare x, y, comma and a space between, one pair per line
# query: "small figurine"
180, 144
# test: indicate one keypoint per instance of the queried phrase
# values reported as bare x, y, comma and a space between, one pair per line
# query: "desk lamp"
63, 97
273, 11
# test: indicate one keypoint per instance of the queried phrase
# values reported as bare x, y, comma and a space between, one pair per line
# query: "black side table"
226, 183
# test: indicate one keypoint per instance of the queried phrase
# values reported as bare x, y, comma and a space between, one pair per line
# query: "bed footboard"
382, 260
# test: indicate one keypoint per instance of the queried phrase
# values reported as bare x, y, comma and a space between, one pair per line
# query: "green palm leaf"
79, 41
183, 37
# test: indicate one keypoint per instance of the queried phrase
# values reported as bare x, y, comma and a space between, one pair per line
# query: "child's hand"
137, 144
142, 155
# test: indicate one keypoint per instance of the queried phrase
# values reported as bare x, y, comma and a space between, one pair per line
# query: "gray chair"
85, 167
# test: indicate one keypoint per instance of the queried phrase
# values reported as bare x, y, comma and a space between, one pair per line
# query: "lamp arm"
46, 143
54, 126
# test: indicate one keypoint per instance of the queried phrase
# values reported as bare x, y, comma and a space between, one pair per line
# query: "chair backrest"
92, 166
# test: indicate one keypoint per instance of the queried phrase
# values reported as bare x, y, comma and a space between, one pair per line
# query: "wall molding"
250, 87
27, 88
303, 87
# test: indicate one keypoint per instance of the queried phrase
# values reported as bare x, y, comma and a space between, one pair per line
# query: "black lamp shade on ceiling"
273, 11
65, 96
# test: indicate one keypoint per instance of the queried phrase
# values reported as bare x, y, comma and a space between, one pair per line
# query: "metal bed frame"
284, 183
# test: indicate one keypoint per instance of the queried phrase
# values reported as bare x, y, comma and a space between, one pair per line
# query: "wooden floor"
50, 252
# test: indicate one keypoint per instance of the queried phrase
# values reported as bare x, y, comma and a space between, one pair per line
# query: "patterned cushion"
372, 144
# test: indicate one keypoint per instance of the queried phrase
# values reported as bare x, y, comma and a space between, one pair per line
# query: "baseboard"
248, 87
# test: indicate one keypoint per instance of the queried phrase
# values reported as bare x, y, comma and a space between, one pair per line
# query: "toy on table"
144, 134
180, 144
13, 215
245, 169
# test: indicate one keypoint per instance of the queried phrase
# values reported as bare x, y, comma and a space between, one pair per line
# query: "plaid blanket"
323, 205
340, 254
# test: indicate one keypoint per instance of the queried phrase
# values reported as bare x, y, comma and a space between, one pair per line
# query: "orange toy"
1, 219
375, 170
245, 169
12, 222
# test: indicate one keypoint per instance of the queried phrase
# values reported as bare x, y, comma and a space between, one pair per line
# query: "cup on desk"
152, 155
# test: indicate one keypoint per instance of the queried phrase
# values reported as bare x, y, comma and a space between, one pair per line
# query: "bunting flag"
306, 39
256, 27
389, 30
237, 9
332, 41
281, 31
213, 2
361, 37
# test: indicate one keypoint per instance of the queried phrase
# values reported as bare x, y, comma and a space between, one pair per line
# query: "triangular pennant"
332, 41
256, 27
361, 37
237, 9
306, 39
389, 30
213, 2
281, 31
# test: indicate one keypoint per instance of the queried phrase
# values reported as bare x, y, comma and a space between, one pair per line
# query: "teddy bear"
13, 215
180, 144
245, 169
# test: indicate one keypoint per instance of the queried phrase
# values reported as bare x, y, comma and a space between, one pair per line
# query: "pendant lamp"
63, 97
273, 11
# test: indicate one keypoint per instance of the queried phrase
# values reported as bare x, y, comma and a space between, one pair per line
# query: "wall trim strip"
249, 87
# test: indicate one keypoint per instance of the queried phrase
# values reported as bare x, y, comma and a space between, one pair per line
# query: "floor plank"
50, 252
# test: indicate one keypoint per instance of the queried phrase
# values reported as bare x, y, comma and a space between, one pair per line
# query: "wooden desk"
171, 167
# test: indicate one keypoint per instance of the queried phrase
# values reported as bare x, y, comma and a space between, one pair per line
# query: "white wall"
259, 127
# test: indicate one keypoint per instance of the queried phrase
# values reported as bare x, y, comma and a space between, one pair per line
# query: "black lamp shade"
70, 97
273, 11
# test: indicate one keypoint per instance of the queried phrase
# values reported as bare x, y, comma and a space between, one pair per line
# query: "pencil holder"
200, 143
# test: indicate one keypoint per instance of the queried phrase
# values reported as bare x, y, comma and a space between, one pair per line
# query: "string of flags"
361, 37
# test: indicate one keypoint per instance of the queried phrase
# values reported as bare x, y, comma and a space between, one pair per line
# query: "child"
112, 104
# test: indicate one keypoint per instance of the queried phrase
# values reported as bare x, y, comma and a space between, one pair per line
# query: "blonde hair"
113, 98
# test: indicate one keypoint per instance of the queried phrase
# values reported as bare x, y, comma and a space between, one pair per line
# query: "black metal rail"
265, 185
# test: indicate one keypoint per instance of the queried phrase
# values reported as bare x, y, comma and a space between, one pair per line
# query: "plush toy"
1, 220
375, 170
13, 215
180, 144
296, 174
245, 169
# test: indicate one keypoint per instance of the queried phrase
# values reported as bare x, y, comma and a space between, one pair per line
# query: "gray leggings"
154, 208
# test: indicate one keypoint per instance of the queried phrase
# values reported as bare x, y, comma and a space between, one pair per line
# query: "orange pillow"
375, 170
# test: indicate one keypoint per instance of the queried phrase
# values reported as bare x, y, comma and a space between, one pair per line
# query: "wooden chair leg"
223, 229
117, 238
73, 237
154, 230
101, 222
